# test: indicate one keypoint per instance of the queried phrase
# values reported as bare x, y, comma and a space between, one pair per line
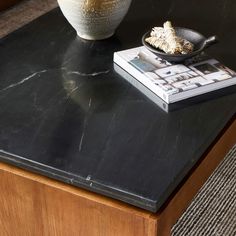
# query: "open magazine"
175, 82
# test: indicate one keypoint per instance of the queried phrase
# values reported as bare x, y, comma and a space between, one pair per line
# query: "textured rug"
23, 13
213, 211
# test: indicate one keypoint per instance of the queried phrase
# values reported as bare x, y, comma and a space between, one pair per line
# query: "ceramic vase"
94, 19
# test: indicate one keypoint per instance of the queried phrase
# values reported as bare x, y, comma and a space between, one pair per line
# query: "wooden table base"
31, 204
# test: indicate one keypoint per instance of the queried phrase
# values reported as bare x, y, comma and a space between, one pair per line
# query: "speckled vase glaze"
94, 19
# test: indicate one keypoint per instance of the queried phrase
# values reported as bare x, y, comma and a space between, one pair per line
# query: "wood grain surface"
34, 205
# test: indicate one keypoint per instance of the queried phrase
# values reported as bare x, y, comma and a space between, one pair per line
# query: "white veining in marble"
81, 141
90, 102
88, 74
23, 80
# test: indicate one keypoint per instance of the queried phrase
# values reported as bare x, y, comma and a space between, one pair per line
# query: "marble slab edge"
77, 181
106, 190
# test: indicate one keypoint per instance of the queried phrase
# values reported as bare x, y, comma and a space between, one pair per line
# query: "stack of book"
173, 82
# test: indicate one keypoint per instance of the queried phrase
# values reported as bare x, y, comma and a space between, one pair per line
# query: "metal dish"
199, 41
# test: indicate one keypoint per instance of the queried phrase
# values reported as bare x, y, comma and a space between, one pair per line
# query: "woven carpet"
213, 211
23, 13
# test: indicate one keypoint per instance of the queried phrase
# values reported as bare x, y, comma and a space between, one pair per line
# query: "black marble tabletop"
65, 113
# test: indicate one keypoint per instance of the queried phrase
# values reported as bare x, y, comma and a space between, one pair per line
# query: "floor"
23, 13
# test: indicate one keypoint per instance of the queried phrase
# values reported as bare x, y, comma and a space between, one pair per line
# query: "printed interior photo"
206, 68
